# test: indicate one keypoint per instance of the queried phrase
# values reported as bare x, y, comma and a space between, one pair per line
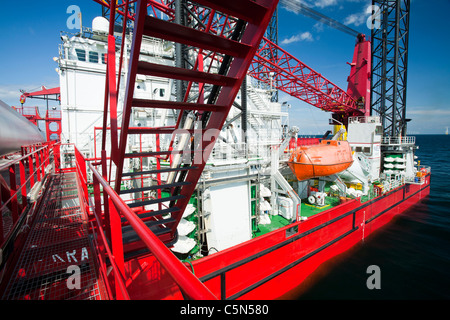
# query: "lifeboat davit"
325, 159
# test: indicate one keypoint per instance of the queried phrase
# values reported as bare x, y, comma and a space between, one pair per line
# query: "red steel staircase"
229, 55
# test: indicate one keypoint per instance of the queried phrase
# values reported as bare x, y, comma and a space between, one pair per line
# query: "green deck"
277, 222
307, 210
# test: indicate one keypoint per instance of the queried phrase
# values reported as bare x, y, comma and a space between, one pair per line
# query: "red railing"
22, 175
107, 224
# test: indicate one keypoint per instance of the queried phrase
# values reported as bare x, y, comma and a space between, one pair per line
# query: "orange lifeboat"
327, 158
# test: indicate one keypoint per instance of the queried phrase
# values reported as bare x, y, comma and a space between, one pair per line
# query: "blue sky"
31, 34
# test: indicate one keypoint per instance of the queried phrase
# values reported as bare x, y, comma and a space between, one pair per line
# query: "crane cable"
298, 7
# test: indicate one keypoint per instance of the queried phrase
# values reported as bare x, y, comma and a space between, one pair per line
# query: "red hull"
272, 265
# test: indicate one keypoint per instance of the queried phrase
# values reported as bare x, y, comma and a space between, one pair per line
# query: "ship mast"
389, 64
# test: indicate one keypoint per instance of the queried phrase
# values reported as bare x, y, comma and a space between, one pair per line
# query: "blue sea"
412, 251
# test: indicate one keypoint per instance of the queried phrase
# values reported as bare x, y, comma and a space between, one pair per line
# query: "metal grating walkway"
58, 240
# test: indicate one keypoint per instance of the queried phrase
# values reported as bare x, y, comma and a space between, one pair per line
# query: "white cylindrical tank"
16, 131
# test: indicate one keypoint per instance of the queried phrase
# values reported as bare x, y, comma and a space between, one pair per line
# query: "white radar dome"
100, 24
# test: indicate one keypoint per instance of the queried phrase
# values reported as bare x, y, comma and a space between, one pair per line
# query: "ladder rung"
161, 104
158, 70
130, 174
163, 186
149, 214
177, 33
147, 130
149, 224
153, 201
161, 231
243, 9
151, 154
130, 236
160, 153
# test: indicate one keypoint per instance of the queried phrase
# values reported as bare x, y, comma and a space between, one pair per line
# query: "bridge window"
379, 130
93, 56
81, 54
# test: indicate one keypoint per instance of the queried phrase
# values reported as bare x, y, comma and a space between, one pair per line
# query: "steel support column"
389, 64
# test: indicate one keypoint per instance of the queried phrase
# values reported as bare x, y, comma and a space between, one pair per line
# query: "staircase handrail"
189, 284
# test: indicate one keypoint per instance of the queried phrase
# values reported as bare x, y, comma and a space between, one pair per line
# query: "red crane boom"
290, 75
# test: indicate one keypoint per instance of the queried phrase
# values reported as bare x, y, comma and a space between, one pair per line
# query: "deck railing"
17, 179
398, 140
364, 119
107, 220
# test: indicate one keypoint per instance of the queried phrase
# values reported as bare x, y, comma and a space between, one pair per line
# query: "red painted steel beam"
173, 32
43, 92
246, 10
359, 81
113, 95
157, 6
141, 14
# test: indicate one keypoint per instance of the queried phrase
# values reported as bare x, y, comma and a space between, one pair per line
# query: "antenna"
298, 7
